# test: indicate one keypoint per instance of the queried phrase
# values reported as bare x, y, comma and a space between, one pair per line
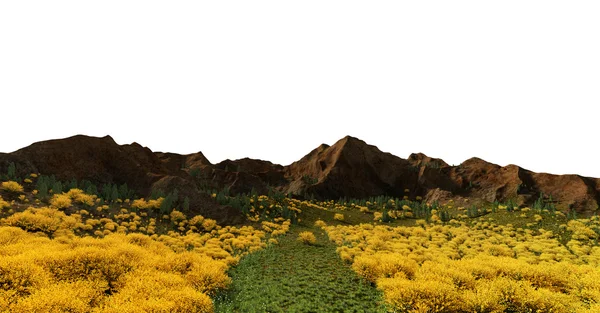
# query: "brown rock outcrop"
349, 168
102, 160
184, 162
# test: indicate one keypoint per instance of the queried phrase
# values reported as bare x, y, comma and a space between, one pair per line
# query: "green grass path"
294, 277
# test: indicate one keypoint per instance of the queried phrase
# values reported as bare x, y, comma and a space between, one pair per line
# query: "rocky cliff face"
102, 160
353, 168
349, 168
96, 159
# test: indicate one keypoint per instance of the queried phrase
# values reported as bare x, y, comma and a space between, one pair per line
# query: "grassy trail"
294, 277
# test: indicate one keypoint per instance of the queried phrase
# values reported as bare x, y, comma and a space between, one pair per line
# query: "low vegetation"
73, 247
76, 252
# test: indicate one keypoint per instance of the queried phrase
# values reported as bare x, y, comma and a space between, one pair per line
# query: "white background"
507, 81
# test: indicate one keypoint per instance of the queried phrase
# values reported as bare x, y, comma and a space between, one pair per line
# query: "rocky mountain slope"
349, 168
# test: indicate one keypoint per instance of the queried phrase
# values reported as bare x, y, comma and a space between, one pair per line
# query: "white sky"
507, 81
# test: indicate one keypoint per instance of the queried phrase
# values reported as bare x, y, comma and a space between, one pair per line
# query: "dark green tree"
57, 188
124, 191
186, 204
12, 170
42, 189
72, 184
114, 194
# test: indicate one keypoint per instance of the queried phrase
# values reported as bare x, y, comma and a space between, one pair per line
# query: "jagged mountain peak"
348, 168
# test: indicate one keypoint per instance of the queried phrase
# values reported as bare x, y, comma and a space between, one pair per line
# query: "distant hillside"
349, 168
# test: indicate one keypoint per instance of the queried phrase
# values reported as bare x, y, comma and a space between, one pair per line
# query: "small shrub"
177, 216
209, 224
307, 237
61, 201
47, 220
11, 186
320, 223
4, 204
81, 197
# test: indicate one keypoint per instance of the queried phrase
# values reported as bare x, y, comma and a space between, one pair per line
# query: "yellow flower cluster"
79, 196
326, 205
483, 267
208, 224
320, 223
297, 204
177, 216
276, 229
61, 201
65, 200
141, 204
377, 216
75, 274
4, 204
115, 259
168, 272
307, 237
11, 186
47, 220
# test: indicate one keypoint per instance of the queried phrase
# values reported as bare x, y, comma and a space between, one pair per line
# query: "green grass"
294, 277
351, 217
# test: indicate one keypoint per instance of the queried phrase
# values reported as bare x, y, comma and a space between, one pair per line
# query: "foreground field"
479, 268
75, 252
82, 252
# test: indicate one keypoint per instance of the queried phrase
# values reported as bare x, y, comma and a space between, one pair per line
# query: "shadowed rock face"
176, 162
349, 168
97, 159
483, 180
353, 168
102, 160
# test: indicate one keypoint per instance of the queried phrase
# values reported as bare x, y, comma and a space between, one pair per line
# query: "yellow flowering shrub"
373, 267
307, 237
79, 196
377, 216
196, 220
420, 296
73, 296
11, 186
320, 223
156, 291
21, 278
209, 224
167, 273
100, 259
477, 267
61, 201
4, 204
143, 204
177, 216
338, 217
47, 220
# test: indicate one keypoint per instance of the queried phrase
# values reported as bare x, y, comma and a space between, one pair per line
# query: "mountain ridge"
350, 168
